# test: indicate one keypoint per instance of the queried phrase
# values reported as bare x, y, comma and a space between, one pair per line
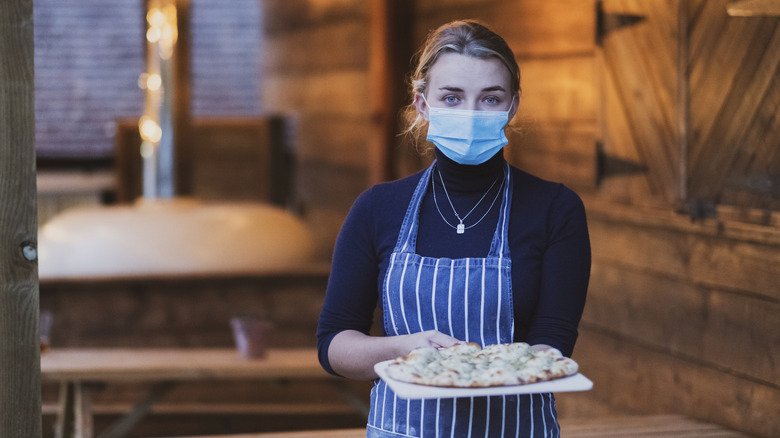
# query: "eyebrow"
458, 89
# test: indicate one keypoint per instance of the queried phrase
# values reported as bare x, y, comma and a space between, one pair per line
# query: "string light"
161, 36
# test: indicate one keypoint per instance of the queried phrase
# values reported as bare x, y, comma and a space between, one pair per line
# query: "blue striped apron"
469, 299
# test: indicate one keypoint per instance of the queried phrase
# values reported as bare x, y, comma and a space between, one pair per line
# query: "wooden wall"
683, 317
316, 74
686, 256
683, 306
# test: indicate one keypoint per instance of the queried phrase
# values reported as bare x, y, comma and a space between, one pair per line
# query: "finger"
440, 340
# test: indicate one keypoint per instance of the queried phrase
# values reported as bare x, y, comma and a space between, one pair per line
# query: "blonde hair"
464, 37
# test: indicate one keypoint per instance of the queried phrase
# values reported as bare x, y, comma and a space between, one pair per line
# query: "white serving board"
577, 382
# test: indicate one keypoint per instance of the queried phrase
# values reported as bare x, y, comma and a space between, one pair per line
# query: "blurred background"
661, 114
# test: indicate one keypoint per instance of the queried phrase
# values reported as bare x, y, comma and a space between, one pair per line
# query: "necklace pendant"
461, 229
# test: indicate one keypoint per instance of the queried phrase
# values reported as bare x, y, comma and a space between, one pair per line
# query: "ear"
422, 107
514, 107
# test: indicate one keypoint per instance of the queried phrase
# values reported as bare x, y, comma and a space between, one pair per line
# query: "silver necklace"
461, 228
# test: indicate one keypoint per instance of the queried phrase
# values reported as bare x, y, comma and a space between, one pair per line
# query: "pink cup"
251, 336
44, 330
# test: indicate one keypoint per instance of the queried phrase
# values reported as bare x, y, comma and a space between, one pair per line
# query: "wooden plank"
337, 433
702, 254
733, 49
181, 313
693, 322
722, 151
309, 408
647, 95
754, 8
531, 27
664, 219
634, 426
737, 266
221, 393
713, 36
302, 274
576, 170
331, 185
20, 397
98, 365
760, 144
391, 48
639, 246
340, 45
619, 143
661, 383
232, 160
563, 151
558, 89
280, 16
557, 137
329, 220
336, 140
669, 426
342, 92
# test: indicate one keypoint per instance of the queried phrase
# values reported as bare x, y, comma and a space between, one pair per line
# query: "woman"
471, 249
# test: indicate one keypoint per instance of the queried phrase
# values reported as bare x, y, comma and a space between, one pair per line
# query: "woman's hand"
353, 354
430, 338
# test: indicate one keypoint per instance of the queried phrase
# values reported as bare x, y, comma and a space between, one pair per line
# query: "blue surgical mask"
467, 136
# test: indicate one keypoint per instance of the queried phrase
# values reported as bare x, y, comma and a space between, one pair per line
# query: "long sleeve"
565, 273
352, 292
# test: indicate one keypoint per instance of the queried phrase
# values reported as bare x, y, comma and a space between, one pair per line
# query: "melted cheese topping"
468, 365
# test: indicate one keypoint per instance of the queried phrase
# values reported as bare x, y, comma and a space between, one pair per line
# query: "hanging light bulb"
153, 82
150, 129
156, 126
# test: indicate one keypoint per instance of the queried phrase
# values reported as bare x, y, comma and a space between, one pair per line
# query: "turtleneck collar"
464, 178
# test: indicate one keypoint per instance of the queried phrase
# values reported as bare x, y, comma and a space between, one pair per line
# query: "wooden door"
639, 156
690, 100
734, 90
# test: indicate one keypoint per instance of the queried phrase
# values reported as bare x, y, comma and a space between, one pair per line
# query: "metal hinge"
607, 22
608, 165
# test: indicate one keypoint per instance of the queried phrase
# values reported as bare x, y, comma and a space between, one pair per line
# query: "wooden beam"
20, 388
391, 49
181, 106
754, 8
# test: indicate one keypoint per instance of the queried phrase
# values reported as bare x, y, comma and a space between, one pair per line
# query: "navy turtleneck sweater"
548, 240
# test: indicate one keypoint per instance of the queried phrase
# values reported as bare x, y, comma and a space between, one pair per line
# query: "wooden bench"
667, 426
81, 372
670, 426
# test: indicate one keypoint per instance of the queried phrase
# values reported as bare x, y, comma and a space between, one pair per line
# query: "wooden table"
662, 426
79, 371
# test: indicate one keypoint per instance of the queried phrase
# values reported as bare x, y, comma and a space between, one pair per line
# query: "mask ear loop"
510, 106
426, 116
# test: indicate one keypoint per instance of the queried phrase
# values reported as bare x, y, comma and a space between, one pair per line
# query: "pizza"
467, 365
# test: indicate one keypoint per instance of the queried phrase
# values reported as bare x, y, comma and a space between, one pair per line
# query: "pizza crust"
467, 365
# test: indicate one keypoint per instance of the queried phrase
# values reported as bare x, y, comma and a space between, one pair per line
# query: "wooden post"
181, 105
391, 50
20, 382
682, 103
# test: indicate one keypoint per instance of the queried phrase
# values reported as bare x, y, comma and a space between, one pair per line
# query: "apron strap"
407, 237
499, 247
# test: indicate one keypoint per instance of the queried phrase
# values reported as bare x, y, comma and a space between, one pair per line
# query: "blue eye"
451, 99
491, 100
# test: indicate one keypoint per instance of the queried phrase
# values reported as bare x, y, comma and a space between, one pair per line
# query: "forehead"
468, 73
